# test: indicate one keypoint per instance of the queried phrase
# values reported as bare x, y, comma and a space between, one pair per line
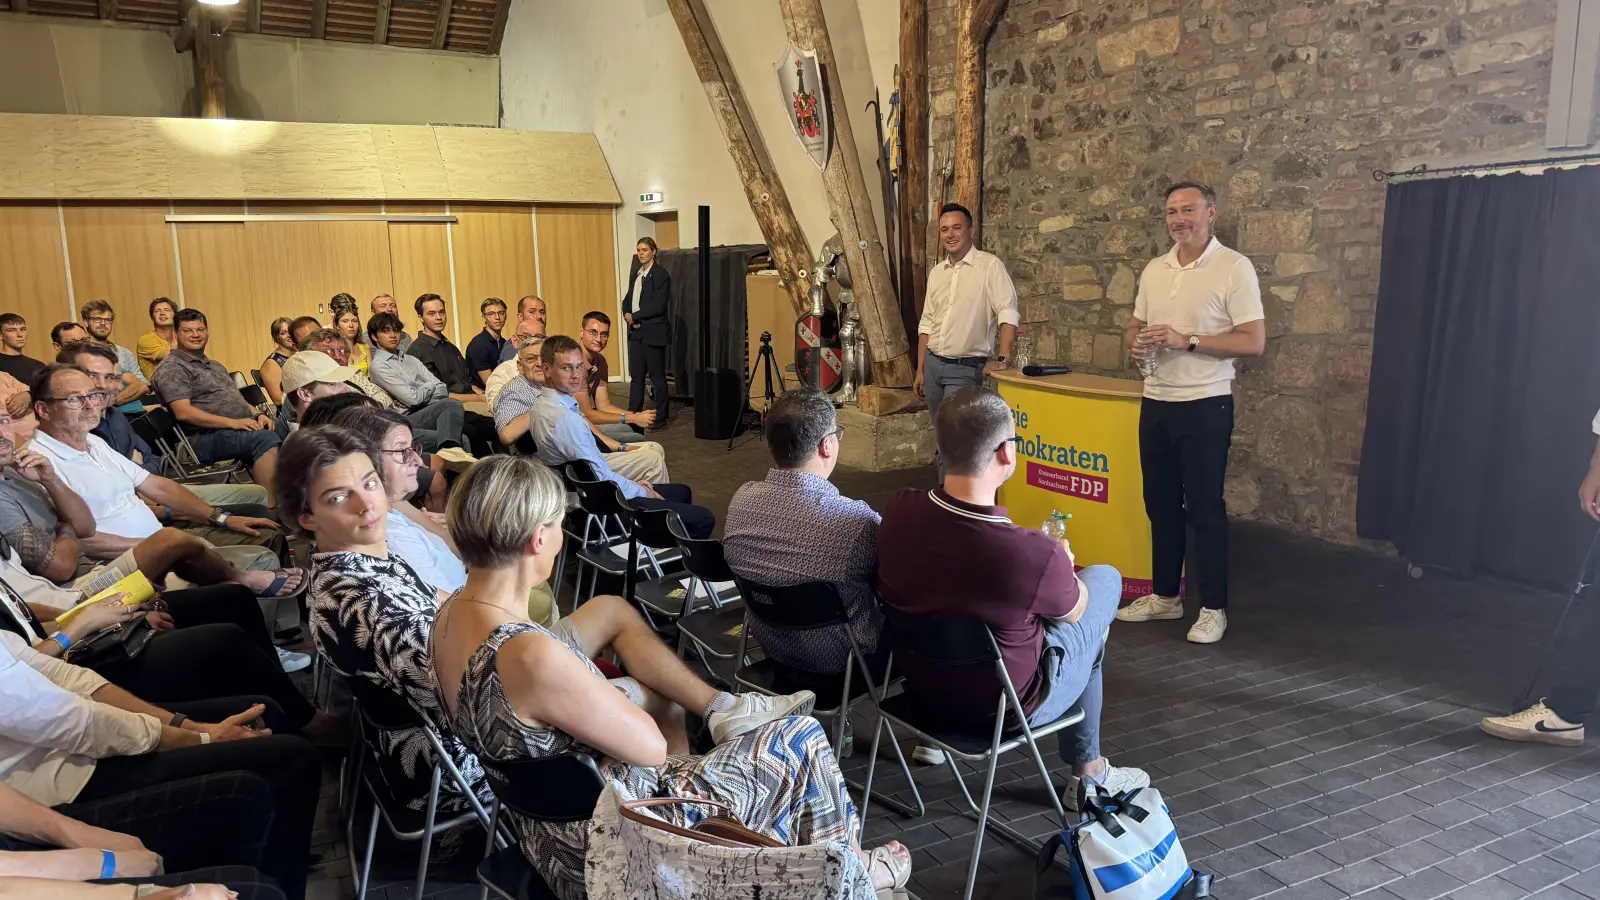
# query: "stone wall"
1286, 107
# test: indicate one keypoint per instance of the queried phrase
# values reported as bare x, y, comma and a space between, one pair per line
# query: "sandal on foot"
281, 577
899, 868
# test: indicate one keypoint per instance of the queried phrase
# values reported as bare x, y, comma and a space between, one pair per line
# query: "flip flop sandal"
899, 868
281, 577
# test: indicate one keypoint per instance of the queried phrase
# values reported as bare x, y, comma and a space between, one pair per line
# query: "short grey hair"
497, 506
971, 425
323, 336
796, 423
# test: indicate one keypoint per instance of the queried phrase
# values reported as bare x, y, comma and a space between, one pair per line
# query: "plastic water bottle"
1055, 527
1147, 363
1022, 351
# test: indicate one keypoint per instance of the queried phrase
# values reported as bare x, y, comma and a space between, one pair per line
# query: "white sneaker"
1113, 780
1536, 723
292, 662
928, 756
1149, 607
1209, 628
751, 711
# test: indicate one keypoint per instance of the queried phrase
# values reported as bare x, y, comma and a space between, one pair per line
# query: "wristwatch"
1194, 342
219, 518
177, 720
1001, 358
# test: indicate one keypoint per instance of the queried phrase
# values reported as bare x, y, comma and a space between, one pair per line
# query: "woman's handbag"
118, 644
634, 854
1124, 848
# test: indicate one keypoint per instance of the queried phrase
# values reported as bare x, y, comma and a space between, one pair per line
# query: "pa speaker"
718, 402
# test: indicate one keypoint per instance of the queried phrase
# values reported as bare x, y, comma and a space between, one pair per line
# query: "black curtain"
1485, 374
728, 311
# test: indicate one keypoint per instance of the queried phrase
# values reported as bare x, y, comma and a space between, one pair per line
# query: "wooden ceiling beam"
502, 12
253, 17
319, 19
20, 6
442, 26
108, 9
380, 29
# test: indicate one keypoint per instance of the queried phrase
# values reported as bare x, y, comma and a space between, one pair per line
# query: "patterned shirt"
795, 527
202, 381
517, 398
371, 619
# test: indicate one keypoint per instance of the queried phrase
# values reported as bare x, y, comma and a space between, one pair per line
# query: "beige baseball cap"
309, 366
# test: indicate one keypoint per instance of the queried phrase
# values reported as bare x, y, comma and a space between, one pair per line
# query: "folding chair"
255, 378
652, 549
379, 710
579, 525
963, 643
715, 632
159, 428
814, 606
599, 552
560, 788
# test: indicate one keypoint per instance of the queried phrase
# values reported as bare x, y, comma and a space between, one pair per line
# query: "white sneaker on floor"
1536, 723
1151, 606
1113, 780
1209, 628
291, 661
928, 756
751, 711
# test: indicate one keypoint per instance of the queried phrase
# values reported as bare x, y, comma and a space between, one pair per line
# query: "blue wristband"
108, 864
62, 639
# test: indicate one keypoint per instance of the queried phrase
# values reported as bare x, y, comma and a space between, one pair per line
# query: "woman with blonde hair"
272, 367
513, 690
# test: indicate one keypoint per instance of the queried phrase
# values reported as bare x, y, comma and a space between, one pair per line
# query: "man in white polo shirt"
969, 321
1198, 308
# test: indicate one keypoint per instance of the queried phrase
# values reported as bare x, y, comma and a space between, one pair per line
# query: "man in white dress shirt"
969, 320
1198, 307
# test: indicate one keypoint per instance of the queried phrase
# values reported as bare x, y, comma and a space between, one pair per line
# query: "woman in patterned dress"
514, 690
370, 613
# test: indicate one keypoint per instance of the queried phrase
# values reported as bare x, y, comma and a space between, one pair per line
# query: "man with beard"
99, 318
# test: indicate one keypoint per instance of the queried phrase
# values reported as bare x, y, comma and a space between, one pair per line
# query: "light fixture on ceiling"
220, 2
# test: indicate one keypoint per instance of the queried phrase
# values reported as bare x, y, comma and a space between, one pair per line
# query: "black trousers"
220, 648
1576, 692
645, 359
479, 431
1183, 450
697, 520
268, 789
242, 880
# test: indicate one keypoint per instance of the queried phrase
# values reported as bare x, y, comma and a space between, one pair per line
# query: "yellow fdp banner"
1079, 453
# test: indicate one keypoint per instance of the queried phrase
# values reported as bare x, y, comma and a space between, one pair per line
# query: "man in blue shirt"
483, 351
562, 435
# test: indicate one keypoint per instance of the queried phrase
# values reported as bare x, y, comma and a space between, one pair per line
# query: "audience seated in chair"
385, 303
431, 483
99, 318
483, 351
44, 853
527, 333
370, 612
562, 435
336, 345
442, 358
952, 552
513, 407
427, 400
608, 419
65, 333
310, 376
220, 423
514, 691
347, 321
13, 341
283, 347
104, 757
530, 309
158, 343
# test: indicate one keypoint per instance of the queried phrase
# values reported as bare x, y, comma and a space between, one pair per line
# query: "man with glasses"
952, 552
595, 403
99, 318
527, 333
483, 351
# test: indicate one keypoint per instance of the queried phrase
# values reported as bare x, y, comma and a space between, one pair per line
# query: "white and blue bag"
1124, 848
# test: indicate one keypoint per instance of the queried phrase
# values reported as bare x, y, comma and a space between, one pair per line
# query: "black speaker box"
718, 402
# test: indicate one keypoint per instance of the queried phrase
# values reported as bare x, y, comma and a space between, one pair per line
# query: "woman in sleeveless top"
514, 690
272, 367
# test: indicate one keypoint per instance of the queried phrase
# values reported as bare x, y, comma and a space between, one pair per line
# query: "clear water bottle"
1146, 363
1055, 527
1022, 351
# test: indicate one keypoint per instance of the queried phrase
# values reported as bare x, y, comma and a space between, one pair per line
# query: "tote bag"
1124, 848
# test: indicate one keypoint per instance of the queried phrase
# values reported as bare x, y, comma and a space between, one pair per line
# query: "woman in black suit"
644, 307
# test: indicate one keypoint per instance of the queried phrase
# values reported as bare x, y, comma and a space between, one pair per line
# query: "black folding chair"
255, 378
602, 549
963, 643
648, 580
716, 630
555, 789
380, 710
159, 428
810, 607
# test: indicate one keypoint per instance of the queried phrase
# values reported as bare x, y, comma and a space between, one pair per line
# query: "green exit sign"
652, 197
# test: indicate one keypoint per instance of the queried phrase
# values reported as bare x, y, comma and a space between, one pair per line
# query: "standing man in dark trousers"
644, 307
971, 308
1198, 307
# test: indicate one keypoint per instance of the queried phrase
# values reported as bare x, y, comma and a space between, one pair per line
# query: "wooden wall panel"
121, 253
577, 271
541, 166
298, 266
493, 258
420, 256
217, 281
33, 276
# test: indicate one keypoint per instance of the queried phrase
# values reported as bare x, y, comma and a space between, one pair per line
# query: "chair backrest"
942, 641
597, 497
650, 526
382, 708
238, 380
579, 469
560, 788
255, 376
158, 424
253, 394
814, 604
702, 557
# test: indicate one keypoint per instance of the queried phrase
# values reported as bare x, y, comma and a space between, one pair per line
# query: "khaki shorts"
103, 576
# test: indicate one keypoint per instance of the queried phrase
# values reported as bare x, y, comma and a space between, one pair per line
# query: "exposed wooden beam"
441, 27
319, 18
780, 228
914, 168
976, 20
252, 16
108, 9
380, 32
502, 12
850, 205
20, 6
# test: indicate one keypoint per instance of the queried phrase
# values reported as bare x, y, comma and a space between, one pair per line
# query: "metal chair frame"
162, 430
704, 560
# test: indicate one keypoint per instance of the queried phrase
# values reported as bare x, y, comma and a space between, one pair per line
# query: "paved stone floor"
1326, 748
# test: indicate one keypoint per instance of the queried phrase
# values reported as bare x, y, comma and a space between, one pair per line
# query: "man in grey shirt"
425, 399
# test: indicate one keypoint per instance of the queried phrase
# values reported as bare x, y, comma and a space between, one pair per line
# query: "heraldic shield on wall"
800, 80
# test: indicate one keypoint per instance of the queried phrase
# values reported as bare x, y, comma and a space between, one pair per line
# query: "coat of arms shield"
804, 94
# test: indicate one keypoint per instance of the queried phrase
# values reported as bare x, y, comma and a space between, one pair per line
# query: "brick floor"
1327, 748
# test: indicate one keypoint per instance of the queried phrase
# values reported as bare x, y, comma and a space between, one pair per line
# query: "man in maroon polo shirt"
952, 552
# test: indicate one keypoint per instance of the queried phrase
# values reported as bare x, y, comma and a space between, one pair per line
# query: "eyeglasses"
414, 450
104, 320
839, 432
1014, 439
73, 401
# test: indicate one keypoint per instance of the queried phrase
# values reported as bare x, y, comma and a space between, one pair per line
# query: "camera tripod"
768, 363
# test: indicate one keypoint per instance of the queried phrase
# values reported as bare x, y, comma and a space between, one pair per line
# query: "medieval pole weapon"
887, 177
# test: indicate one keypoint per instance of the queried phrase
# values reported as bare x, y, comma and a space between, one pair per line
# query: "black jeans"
1183, 450
220, 648
644, 359
479, 432
697, 520
242, 880
1576, 692
157, 792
